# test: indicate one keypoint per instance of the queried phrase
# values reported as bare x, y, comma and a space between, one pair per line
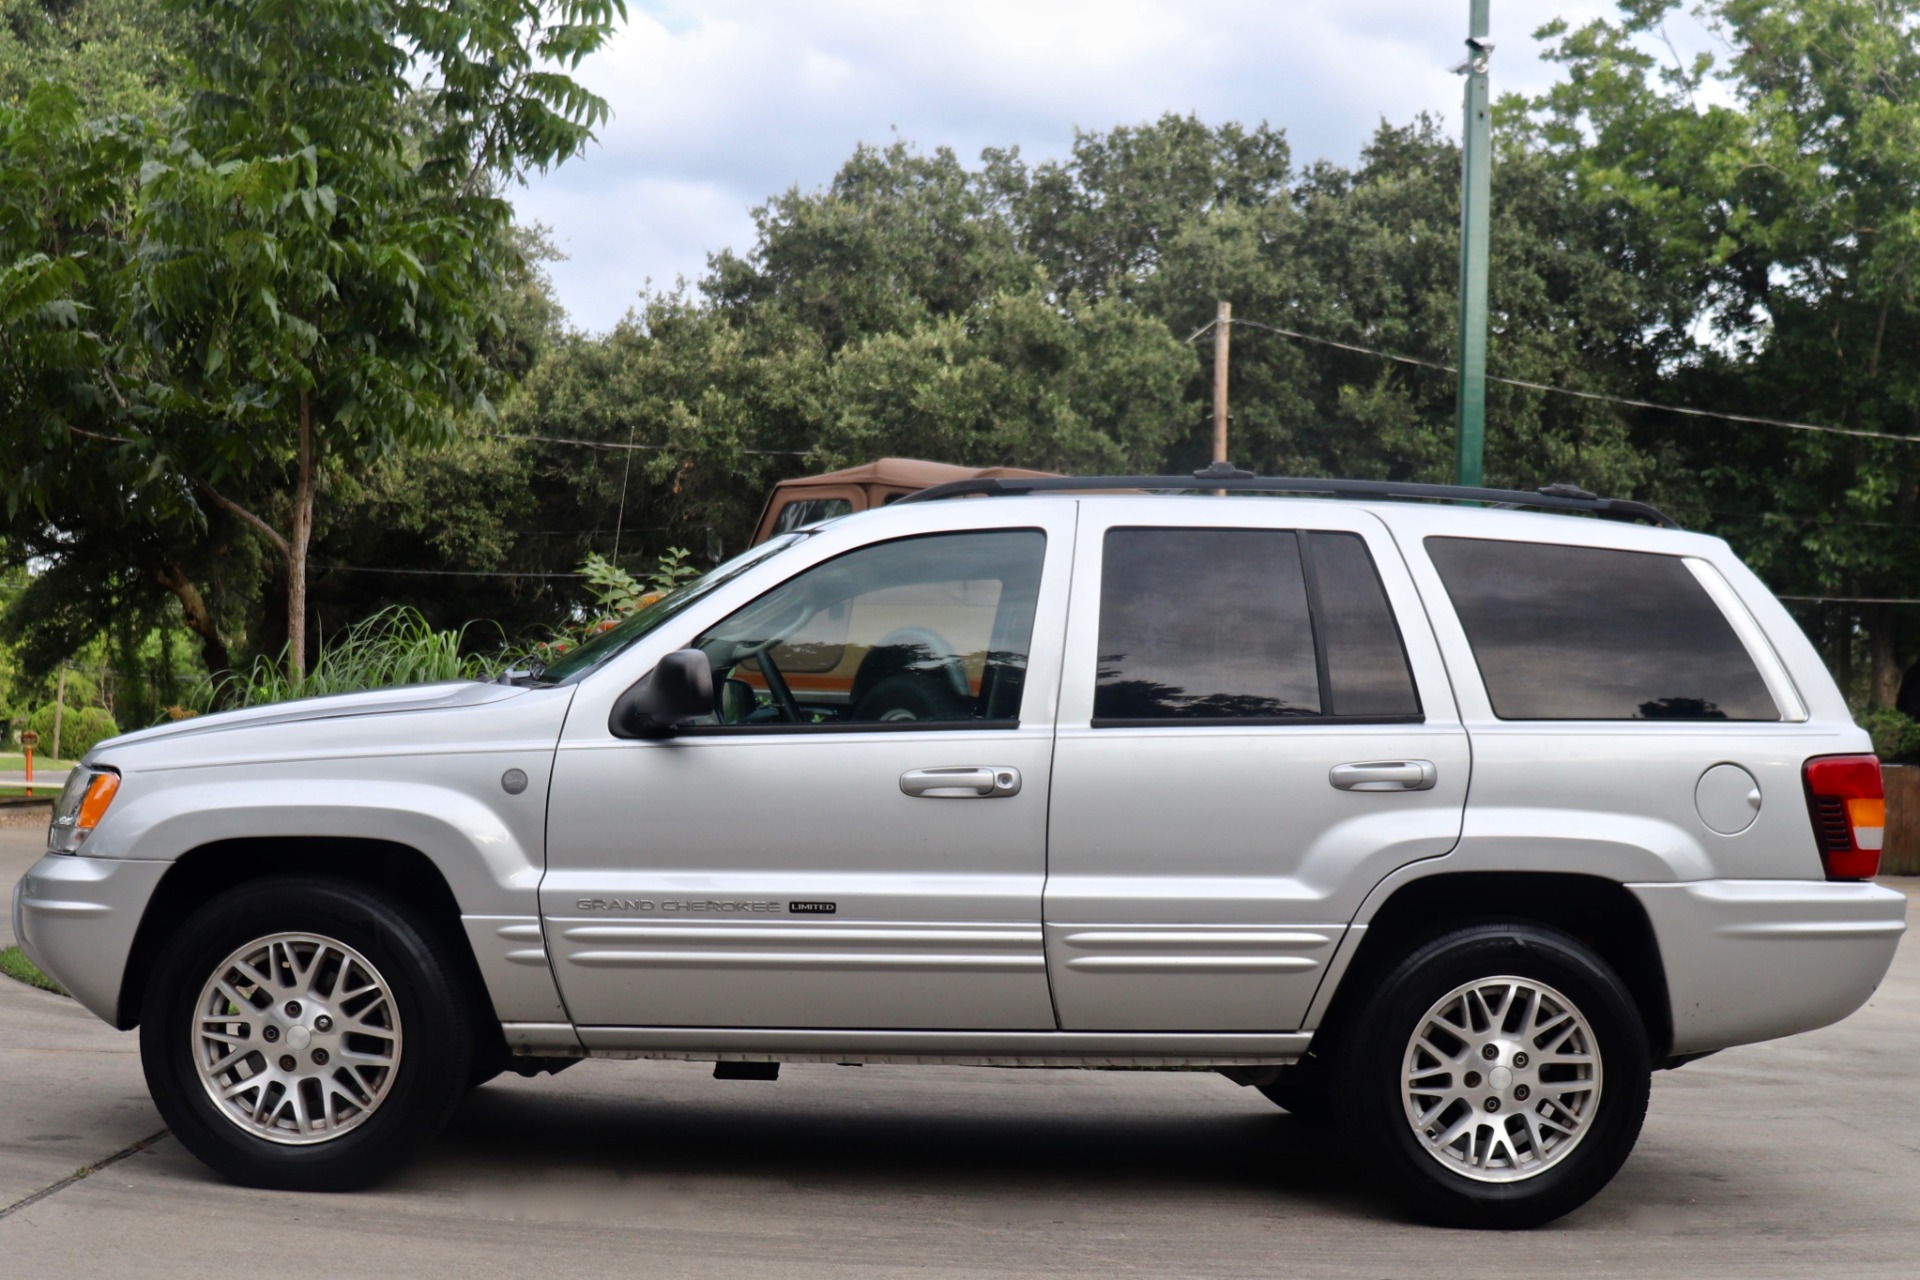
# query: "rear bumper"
1750, 960
76, 917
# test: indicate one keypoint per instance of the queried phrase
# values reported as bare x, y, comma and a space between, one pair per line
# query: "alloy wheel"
296, 1038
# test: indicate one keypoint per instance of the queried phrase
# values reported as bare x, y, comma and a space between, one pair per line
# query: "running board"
961, 1048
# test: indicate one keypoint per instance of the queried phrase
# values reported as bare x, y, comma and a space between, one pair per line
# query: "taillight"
1849, 812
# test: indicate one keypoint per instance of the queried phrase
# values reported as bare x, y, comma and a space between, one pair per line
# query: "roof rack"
1225, 477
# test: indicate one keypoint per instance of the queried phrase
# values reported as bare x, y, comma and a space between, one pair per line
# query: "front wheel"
1499, 1076
303, 1034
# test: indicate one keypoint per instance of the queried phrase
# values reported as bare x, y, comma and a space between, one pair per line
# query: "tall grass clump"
395, 646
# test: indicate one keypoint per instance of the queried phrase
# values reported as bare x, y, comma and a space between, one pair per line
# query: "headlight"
82, 804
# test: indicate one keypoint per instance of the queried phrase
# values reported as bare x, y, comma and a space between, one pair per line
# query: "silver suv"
1441, 823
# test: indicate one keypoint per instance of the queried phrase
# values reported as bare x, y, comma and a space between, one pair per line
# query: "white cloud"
719, 104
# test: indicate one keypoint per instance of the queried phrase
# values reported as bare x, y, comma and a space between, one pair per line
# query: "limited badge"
812, 908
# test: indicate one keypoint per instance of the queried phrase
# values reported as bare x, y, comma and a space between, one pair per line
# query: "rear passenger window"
1586, 633
1245, 624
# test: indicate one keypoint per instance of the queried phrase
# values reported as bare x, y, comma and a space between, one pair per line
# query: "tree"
1774, 194
321, 236
119, 57
1034, 316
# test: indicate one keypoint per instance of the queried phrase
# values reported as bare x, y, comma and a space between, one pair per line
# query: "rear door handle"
971, 782
1385, 775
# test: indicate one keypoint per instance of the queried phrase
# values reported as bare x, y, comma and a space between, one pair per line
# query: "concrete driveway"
1796, 1159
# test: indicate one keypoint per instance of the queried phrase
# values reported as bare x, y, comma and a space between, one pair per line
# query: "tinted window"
920, 629
1583, 633
1206, 624
1367, 671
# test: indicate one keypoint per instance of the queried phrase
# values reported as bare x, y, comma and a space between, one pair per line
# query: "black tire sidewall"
908, 693
1378, 1046
437, 1046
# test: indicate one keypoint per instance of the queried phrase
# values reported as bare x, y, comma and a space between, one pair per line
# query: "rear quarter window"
1589, 633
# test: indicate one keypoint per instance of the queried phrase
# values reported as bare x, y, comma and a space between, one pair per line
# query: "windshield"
618, 638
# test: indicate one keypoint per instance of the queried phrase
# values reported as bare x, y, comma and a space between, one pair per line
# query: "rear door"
1254, 729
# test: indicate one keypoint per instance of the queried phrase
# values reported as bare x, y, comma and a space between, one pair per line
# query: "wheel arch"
1600, 913
396, 869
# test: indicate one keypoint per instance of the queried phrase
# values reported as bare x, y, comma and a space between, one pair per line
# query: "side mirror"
680, 688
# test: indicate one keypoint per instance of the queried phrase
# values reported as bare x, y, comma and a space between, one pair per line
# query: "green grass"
10, 760
14, 963
395, 646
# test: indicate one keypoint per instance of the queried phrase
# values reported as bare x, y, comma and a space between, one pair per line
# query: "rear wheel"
1498, 1076
302, 1034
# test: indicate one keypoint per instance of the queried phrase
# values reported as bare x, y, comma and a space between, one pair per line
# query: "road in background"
1794, 1159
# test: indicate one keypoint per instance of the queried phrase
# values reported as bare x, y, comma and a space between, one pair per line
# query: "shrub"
80, 729
1896, 735
394, 646
620, 593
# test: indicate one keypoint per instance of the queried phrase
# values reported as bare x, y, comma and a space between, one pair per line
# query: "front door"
857, 838
1255, 729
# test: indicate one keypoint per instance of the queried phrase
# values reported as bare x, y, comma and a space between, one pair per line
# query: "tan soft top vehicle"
807, 500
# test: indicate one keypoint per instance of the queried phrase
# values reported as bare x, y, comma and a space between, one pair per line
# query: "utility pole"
1475, 196
59, 709
1222, 323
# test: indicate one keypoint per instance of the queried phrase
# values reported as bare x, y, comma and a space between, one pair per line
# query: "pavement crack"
82, 1173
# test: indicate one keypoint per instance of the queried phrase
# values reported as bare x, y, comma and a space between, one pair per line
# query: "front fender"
490, 848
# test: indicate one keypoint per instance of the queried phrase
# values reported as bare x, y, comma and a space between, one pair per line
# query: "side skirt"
957, 1048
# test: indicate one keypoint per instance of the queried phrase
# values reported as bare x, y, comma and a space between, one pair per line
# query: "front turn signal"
93, 807
81, 807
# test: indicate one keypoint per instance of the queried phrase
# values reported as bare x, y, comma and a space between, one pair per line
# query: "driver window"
929, 630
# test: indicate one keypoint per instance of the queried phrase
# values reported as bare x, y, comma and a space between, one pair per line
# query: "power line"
1821, 521
1567, 391
1851, 599
617, 446
445, 573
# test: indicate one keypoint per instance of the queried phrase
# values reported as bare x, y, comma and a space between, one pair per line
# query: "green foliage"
118, 56
296, 278
327, 297
1771, 195
1035, 316
81, 728
671, 571
394, 646
619, 593
1896, 735
14, 963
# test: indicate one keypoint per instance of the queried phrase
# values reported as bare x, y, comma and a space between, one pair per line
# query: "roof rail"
1225, 477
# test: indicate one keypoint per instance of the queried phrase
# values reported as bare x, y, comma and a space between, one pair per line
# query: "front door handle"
1385, 775
976, 782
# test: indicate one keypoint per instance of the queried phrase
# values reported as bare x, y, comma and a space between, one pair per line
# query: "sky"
720, 104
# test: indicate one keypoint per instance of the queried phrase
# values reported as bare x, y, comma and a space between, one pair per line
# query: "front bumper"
1750, 960
76, 917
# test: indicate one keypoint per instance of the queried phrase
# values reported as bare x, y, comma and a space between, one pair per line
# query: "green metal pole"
1475, 196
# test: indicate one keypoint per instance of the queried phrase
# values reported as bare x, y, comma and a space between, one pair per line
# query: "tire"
909, 697
379, 1058
1565, 1122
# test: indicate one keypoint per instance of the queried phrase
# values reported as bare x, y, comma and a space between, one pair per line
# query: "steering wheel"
777, 686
